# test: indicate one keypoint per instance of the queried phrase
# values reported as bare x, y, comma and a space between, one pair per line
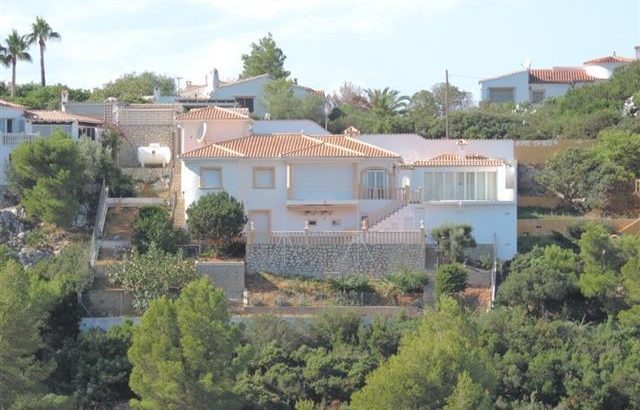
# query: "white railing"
101, 217
406, 195
335, 238
15, 138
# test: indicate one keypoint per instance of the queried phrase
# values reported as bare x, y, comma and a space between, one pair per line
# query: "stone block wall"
228, 276
321, 260
140, 136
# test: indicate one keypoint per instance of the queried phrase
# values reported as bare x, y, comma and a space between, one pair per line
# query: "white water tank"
154, 154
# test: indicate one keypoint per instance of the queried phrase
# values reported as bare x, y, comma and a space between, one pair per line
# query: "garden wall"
321, 260
546, 226
227, 276
140, 136
537, 152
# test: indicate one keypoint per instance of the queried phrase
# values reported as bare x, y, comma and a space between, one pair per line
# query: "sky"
403, 44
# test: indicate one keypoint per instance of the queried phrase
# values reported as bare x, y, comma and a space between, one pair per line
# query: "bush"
154, 225
450, 279
216, 217
152, 275
48, 176
407, 281
349, 283
452, 240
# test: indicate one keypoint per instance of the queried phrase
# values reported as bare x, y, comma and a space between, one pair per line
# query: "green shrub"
216, 217
154, 225
407, 281
450, 279
453, 240
349, 283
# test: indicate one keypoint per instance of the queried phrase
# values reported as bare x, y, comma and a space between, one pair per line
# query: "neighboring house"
536, 84
249, 92
200, 127
342, 182
19, 124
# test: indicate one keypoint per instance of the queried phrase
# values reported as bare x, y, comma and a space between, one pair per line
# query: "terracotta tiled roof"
610, 59
560, 75
59, 117
366, 149
11, 105
215, 113
289, 145
454, 160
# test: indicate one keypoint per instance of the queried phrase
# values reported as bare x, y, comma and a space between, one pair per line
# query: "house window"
264, 178
211, 178
467, 186
501, 94
9, 126
537, 96
245, 102
376, 184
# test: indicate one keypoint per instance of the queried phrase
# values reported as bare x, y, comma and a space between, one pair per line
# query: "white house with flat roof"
342, 182
534, 85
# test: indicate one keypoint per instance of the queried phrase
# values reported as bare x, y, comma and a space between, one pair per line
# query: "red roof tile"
289, 145
454, 160
610, 60
59, 117
215, 113
11, 105
560, 75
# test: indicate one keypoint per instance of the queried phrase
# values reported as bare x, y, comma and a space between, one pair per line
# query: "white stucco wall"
217, 131
252, 88
488, 221
518, 80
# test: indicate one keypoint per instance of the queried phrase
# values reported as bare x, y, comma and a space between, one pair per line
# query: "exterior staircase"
402, 219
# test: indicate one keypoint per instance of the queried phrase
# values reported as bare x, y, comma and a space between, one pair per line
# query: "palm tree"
386, 101
15, 50
41, 32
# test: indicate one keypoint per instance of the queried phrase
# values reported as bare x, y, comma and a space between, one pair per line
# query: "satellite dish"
526, 64
202, 131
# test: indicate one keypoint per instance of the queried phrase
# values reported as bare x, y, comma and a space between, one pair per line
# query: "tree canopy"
265, 58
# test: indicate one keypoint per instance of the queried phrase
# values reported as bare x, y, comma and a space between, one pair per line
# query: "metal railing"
335, 238
101, 217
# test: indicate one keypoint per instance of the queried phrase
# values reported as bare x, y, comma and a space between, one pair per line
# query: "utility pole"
446, 104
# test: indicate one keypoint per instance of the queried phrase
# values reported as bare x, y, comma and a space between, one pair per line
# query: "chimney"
64, 99
156, 93
215, 79
461, 153
637, 52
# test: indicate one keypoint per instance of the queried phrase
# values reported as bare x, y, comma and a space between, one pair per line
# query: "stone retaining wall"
141, 136
323, 260
228, 276
148, 174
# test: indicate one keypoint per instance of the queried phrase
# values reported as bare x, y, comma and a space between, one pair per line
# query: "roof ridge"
372, 145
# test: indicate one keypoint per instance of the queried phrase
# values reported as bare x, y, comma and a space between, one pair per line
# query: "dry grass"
120, 222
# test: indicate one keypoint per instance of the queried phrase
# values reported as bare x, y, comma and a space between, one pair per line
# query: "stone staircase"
177, 199
401, 220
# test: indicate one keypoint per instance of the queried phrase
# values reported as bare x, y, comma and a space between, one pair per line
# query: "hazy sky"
404, 44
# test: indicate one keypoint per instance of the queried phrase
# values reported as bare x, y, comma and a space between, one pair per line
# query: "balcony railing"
405, 195
15, 138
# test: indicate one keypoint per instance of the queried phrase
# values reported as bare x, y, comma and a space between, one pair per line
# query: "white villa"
246, 92
534, 85
18, 124
289, 181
